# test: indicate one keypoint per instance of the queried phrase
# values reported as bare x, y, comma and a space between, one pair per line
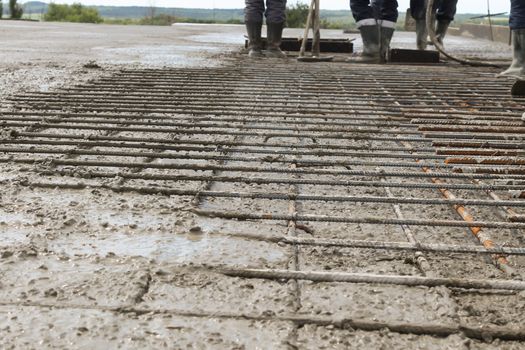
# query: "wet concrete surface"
42, 56
96, 268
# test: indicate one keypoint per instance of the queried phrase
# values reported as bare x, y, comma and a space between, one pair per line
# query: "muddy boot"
517, 68
421, 34
441, 30
254, 39
386, 38
371, 46
274, 35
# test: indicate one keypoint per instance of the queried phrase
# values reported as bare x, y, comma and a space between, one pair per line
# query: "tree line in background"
15, 10
297, 14
72, 13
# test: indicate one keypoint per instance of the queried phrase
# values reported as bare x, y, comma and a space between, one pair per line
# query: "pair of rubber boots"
274, 36
441, 28
376, 44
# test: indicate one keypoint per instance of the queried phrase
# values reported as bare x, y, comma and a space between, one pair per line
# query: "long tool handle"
307, 28
316, 44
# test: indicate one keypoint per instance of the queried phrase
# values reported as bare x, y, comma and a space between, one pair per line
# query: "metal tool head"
315, 58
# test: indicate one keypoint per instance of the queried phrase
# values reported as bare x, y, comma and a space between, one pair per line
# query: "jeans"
517, 14
445, 9
275, 11
385, 10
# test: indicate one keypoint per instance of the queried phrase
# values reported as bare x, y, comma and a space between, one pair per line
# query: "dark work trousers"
255, 9
445, 9
517, 14
365, 12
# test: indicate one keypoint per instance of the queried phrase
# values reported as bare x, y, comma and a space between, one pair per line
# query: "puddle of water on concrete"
195, 248
219, 38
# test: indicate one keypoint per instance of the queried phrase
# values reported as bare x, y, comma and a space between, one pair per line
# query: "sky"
464, 6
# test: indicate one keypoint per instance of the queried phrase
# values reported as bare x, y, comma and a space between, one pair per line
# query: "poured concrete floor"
92, 268
40, 56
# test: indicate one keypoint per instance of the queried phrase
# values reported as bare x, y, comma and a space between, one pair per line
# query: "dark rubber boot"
274, 35
386, 38
421, 34
441, 30
254, 38
371, 46
517, 68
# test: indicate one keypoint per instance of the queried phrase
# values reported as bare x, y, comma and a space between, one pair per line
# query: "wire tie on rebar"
517, 218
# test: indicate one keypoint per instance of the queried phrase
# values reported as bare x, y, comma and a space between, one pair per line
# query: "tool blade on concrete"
413, 56
315, 58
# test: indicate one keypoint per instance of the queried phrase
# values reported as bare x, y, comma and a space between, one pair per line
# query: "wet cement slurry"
116, 192
44, 56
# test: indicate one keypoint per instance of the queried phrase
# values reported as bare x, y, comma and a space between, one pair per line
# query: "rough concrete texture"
495, 33
94, 268
42, 56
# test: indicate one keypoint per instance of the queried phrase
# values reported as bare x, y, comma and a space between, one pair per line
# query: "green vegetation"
296, 13
15, 9
72, 13
198, 15
158, 20
165, 20
1, 9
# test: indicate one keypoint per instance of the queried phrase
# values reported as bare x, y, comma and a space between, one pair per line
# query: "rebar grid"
326, 127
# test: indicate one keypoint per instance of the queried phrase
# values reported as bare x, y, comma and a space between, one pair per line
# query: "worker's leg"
367, 24
275, 19
445, 14
417, 9
517, 25
387, 19
418, 12
253, 18
362, 12
446, 10
388, 12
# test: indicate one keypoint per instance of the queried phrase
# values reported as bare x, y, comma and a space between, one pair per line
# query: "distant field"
130, 14
35, 16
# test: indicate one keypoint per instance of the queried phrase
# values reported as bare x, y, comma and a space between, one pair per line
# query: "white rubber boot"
517, 68
371, 45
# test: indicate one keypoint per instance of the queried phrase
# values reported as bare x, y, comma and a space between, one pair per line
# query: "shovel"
313, 20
